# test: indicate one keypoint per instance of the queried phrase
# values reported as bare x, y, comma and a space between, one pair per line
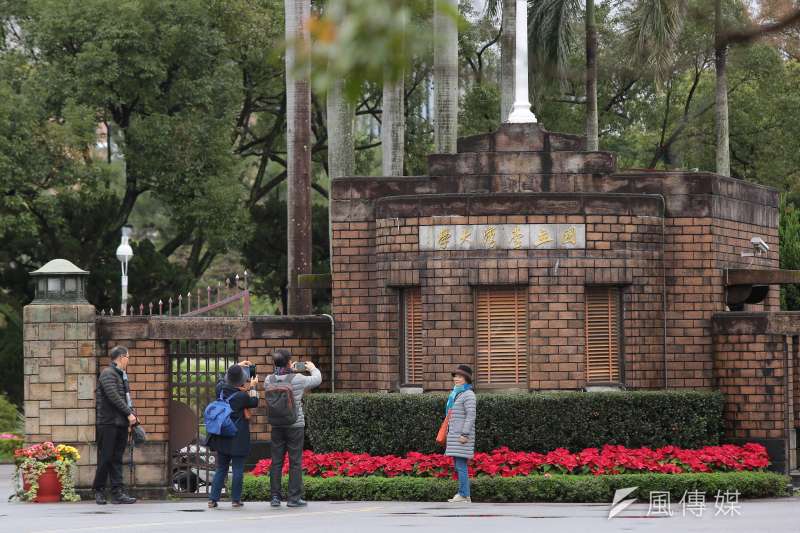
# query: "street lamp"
124, 254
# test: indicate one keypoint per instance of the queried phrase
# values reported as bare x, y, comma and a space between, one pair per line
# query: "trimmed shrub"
556, 488
395, 424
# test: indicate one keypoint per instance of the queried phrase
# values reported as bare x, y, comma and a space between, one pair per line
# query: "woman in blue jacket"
240, 391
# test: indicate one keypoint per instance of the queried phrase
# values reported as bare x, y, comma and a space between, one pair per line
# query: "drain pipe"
333, 352
664, 280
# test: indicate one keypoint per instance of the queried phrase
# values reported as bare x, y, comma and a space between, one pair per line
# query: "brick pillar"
60, 373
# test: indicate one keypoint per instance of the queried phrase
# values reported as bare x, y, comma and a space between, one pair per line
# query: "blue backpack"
218, 418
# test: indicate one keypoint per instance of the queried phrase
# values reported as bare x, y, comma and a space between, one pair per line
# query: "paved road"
773, 516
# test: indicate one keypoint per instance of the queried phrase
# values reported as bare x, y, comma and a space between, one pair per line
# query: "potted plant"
46, 472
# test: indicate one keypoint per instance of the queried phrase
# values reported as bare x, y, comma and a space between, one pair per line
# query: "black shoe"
122, 498
297, 503
236, 505
100, 497
276, 502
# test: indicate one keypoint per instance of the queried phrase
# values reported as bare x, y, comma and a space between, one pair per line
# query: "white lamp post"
521, 110
124, 254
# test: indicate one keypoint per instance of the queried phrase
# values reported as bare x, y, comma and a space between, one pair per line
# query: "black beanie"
236, 376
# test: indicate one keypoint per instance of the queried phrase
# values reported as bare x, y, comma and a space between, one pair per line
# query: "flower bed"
609, 460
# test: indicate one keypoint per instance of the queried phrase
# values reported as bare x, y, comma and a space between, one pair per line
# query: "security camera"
759, 245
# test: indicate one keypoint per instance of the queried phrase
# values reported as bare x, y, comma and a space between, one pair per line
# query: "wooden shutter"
501, 332
602, 334
412, 347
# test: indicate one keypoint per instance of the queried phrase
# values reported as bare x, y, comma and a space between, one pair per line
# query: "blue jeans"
463, 475
223, 461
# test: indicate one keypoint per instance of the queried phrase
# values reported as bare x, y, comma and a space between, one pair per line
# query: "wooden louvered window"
602, 330
501, 335
412, 336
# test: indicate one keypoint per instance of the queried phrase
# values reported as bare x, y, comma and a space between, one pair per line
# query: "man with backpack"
284, 396
227, 422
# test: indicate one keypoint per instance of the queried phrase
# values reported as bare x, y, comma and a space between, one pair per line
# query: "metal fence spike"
111, 311
102, 312
141, 309
160, 308
150, 307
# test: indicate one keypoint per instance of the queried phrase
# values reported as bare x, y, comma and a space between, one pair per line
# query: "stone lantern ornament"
60, 281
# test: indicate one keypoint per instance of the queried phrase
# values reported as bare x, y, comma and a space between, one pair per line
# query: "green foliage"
479, 106
369, 423
9, 416
391, 30
556, 488
10, 358
789, 234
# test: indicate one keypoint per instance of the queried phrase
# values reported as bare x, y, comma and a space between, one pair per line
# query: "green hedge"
558, 488
383, 424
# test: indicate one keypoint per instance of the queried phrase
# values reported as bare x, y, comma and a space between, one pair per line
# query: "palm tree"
592, 139
298, 157
655, 26
507, 52
723, 154
341, 145
393, 127
445, 72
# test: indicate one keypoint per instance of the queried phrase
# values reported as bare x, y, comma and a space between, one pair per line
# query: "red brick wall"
749, 370
354, 304
620, 249
148, 373
307, 338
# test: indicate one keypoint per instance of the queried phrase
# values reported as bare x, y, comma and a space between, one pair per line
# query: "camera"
252, 371
299, 366
759, 245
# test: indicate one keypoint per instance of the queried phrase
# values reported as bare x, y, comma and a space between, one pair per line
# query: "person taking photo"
239, 390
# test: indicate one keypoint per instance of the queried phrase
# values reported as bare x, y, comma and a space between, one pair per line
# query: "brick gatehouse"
545, 268
523, 255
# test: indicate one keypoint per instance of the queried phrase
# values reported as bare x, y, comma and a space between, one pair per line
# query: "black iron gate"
195, 368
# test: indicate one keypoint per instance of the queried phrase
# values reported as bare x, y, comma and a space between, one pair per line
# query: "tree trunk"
592, 141
508, 47
721, 101
393, 127
445, 72
298, 141
341, 146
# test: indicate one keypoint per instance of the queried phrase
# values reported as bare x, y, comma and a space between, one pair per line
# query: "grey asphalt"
772, 515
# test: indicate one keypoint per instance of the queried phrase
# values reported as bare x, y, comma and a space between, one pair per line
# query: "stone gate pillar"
59, 363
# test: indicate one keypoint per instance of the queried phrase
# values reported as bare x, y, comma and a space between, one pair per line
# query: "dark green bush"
558, 488
9, 416
383, 424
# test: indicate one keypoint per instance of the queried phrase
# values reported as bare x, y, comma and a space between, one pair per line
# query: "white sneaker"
458, 498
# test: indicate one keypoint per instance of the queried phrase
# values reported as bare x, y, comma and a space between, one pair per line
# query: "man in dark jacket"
114, 419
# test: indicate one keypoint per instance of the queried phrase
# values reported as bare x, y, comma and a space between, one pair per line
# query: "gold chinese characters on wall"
502, 237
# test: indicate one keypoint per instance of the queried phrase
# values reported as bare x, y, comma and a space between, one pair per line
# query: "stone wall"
65, 347
59, 367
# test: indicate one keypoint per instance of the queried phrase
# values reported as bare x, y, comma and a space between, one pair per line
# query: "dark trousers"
223, 462
111, 443
287, 439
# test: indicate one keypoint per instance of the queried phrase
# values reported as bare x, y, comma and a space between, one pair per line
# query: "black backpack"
281, 407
